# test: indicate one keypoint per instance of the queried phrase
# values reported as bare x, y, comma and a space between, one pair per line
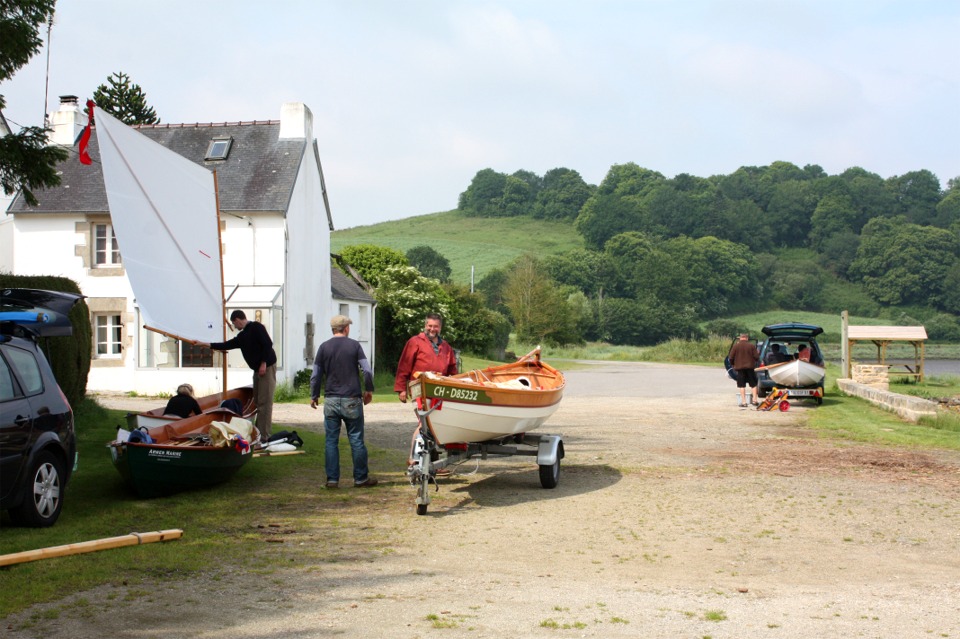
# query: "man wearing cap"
743, 360
341, 361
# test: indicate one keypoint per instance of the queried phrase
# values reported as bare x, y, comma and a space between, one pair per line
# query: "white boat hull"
795, 374
457, 422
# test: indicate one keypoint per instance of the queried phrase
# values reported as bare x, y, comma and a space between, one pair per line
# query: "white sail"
164, 212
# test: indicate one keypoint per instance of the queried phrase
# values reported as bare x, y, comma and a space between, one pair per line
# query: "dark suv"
38, 446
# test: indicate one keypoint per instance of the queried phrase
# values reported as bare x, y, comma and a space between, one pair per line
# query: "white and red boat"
795, 373
483, 413
490, 403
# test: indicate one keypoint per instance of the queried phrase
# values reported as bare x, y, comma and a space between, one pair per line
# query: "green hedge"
69, 356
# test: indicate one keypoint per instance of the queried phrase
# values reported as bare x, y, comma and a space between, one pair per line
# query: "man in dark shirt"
341, 360
743, 360
257, 349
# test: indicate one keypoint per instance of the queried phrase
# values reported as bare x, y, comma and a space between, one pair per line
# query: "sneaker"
369, 482
333, 484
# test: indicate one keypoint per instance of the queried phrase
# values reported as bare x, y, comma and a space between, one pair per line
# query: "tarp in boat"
222, 433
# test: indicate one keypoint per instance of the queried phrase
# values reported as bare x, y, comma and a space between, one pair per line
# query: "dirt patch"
677, 515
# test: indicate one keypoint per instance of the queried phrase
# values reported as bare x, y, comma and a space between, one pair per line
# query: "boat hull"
457, 422
490, 403
795, 374
155, 471
174, 461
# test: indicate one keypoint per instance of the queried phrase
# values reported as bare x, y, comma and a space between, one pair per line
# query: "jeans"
349, 410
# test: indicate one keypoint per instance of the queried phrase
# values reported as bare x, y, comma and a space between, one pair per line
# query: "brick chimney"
68, 122
296, 121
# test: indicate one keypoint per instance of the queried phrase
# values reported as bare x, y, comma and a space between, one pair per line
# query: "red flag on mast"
85, 136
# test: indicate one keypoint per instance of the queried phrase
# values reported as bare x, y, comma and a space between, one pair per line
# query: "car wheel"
43, 498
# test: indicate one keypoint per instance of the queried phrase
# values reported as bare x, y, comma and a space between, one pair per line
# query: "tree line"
761, 237
665, 257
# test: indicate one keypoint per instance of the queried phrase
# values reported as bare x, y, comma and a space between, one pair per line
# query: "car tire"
43, 493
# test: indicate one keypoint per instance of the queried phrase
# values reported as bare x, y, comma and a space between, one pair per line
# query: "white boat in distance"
490, 403
795, 373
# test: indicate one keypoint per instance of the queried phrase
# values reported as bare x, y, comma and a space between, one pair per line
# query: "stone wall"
874, 375
907, 407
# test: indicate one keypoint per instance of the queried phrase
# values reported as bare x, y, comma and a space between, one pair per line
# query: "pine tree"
125, 101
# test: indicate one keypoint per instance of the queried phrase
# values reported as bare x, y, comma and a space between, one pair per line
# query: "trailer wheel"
784, 406
423, 495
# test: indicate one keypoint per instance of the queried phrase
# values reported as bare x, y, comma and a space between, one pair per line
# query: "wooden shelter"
882, 337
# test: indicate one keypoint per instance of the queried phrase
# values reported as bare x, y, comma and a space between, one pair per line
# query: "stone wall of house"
907, 407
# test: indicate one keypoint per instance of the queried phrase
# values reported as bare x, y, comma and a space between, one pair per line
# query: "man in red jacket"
424, 352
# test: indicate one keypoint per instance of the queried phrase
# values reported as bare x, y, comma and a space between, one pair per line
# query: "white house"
275, 229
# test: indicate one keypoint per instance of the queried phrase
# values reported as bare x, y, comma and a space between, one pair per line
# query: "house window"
105, 250
219, 148
109, 336
364, 327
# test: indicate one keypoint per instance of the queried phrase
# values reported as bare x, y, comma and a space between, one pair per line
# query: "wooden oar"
132, 539
268, 453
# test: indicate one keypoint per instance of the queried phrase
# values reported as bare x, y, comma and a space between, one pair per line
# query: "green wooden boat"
184, 454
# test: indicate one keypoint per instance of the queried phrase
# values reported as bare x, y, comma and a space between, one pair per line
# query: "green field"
483, 243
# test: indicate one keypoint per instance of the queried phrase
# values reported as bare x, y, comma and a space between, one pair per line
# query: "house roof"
344, 287
258, 174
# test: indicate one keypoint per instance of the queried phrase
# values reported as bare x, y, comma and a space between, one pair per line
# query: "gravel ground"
677, 515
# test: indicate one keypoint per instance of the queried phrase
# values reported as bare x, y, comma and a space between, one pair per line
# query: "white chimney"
296, 121
68, 122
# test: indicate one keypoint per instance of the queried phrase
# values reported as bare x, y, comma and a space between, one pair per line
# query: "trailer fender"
549, 450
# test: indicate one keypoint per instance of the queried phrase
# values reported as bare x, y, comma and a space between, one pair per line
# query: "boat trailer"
779, 397
548, 449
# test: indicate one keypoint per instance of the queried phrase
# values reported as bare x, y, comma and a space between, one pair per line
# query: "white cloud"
411, 99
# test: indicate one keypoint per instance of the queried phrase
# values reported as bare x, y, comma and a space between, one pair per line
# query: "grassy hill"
484, 243
829, 321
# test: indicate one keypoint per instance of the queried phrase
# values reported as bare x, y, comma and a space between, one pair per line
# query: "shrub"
943, 328
724, 328
370, 260
302, 378
69, 357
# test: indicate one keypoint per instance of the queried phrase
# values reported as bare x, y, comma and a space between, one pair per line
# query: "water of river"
930, 366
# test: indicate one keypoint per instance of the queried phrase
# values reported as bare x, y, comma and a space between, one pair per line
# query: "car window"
6, 382
27, 368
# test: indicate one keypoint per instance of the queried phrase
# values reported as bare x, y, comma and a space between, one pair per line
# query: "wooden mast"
223, 297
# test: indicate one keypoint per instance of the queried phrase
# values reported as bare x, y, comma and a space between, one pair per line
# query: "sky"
411, 99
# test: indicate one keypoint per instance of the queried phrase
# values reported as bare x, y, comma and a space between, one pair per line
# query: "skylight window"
219, 148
